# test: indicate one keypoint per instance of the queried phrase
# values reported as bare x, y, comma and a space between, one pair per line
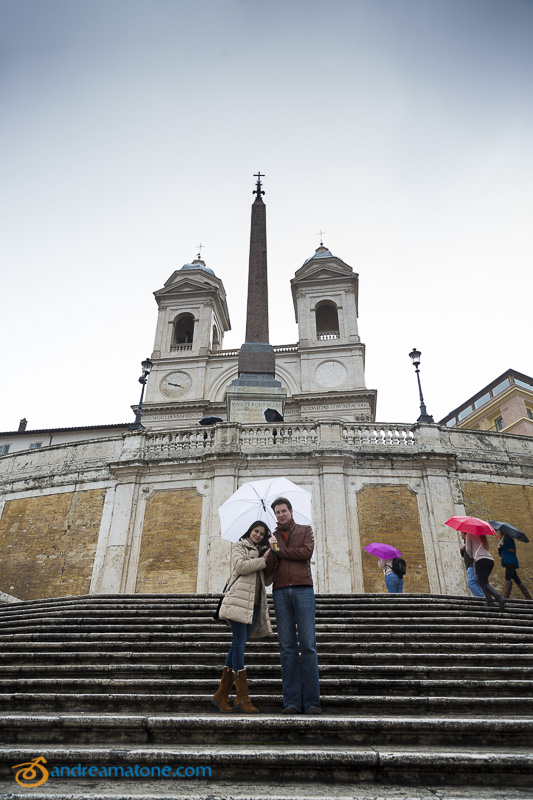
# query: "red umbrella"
471, 525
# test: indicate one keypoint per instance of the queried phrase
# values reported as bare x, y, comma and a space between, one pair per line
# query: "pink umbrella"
471, 525
382, 550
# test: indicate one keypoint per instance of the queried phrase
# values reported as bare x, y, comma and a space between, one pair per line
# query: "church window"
184, 330
327, 321
216, 340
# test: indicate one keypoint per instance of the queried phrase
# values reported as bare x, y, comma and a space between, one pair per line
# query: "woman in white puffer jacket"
245, 607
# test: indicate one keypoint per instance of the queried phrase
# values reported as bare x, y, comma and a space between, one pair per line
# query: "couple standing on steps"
283, 558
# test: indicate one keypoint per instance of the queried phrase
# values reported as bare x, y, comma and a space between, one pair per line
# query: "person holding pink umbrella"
391, 563
477, 547
474, 532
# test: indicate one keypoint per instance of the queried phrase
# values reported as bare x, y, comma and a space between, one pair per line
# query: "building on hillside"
506, 404
107, 510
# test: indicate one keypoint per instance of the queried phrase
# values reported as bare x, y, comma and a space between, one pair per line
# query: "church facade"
112, 511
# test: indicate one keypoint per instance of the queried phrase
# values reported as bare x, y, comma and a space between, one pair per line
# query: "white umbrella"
252, 502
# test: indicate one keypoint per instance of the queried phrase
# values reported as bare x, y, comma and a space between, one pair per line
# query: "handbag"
226, 588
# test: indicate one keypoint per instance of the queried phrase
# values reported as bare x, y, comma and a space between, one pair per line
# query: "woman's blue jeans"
394, 583
473, 583
241, 633
295, 620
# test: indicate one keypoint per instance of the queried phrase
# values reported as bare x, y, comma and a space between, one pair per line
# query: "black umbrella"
271, 415
509, 530
210, 421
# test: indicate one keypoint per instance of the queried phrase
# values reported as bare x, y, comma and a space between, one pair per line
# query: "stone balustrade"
397, 436
174, 348
278, 348
161, 445
300, 435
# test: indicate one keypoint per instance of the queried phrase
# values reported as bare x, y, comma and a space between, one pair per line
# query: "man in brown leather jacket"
294, 603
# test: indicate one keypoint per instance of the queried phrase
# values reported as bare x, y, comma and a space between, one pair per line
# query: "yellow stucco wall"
170, 542
390, 514
511, 503
48, 544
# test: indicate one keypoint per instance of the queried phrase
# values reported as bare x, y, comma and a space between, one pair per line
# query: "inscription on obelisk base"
247, 404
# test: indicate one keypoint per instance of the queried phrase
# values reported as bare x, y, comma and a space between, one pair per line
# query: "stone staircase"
424, 697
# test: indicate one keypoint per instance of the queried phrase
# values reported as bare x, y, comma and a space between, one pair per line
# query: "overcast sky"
130, 132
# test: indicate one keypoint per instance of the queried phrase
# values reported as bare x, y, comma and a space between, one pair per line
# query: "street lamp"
415, 358
147, 368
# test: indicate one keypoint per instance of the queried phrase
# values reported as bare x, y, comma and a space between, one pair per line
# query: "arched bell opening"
327, 321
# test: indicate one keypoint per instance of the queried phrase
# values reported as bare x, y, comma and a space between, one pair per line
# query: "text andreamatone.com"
134, 771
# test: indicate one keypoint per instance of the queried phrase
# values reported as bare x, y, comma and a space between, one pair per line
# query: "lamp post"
147, 368
415, 358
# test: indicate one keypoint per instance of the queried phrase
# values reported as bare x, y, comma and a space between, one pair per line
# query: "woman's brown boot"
508, 587
524, 591
242, 700
221, 697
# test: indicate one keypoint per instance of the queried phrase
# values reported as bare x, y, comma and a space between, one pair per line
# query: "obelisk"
256, 388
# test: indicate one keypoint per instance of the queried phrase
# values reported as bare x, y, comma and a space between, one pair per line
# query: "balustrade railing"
278, 348
168, 444
393, 436
179, 347
298, 435
256, 436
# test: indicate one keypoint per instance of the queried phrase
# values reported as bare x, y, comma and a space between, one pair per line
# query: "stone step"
401, 627
127, 643
335, 730
451, 669
41, 663
355, 686
348, 704
133, 676
253, 764
183, 789
344, 634
340, 615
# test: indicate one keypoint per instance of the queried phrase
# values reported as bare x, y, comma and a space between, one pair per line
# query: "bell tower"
332, 357
192, 319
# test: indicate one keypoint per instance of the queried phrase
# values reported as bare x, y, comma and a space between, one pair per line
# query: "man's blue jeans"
394, 583
295, 620
241, 633
473, 583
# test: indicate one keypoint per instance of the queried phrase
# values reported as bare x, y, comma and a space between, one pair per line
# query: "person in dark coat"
294, 603
507, 551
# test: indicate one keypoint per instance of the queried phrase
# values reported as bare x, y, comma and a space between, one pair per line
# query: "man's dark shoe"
314, 710
290, 710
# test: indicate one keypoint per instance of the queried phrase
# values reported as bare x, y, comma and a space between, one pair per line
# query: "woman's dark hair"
263, 544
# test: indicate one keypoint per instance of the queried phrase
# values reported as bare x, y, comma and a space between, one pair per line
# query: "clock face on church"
175, 385
331, 374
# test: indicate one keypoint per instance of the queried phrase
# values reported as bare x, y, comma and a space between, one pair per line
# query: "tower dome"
320, 252
198, 264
